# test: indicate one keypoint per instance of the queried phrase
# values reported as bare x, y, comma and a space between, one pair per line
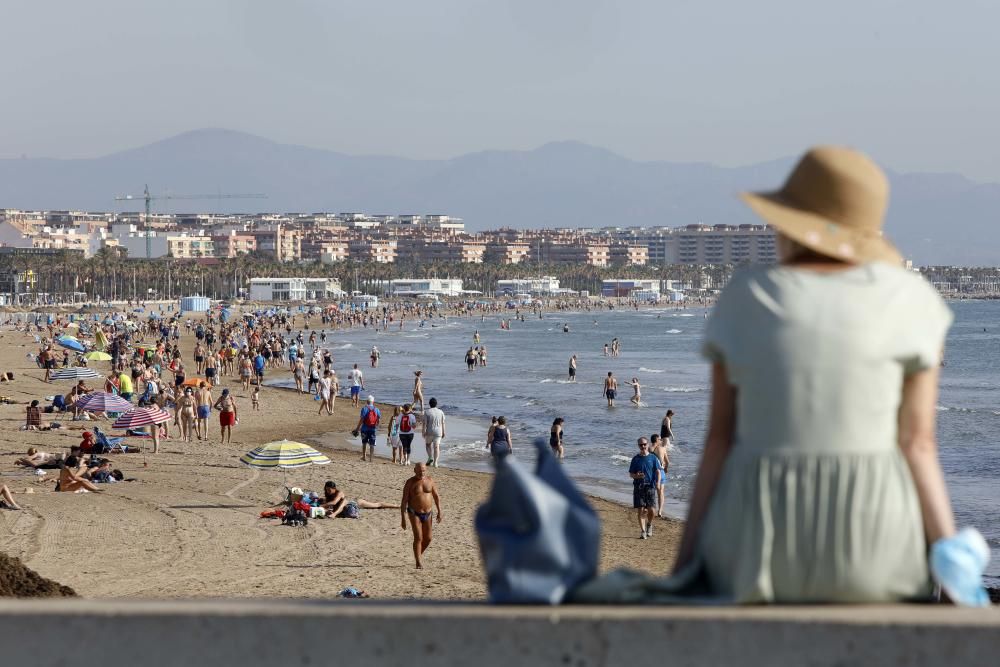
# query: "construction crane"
151, 198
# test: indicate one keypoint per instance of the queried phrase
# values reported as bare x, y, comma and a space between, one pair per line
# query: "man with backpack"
367, 425
407, 428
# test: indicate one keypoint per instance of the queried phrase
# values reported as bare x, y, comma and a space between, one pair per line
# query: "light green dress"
815, 502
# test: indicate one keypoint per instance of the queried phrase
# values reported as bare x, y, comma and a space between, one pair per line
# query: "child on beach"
255, 397
394, 441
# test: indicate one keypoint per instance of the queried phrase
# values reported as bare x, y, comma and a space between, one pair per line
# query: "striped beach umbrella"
101, 401
139, 417
74, 373
283, 454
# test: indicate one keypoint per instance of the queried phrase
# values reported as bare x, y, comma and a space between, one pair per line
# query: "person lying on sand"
37, 459
336, 503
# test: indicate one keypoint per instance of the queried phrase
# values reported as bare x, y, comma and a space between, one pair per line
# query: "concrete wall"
358, 633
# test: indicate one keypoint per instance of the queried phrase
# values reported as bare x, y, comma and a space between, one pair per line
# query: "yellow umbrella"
97, 356
283, 454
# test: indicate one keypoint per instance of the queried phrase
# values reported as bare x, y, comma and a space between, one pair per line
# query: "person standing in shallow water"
420, 498
572, 368
610, 389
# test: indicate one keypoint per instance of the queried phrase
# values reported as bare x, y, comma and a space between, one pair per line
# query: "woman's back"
815, 501
818, 359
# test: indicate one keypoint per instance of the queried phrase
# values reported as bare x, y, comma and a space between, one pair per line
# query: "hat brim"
820, 234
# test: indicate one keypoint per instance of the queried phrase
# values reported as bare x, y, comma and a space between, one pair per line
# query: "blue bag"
538, 536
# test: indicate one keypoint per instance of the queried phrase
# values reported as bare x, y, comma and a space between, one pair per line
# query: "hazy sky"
914, 82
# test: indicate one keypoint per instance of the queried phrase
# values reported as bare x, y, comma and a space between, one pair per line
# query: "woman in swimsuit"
666, 428
499, 437
185, 411
556, 437
418, 389
72, 480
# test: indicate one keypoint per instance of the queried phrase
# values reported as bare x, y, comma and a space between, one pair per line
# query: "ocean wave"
643, 369
684, 315
345, 346
681, 390
546, 380
945, 408
673, 331
619, 458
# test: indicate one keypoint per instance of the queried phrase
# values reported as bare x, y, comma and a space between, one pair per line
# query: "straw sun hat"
834, 203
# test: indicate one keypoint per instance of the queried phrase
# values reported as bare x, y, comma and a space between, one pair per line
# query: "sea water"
526, 380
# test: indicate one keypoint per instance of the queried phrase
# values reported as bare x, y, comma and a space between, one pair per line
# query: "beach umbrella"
139, 417
283, 454
70, 343
101, 401
97, 356
74, 373
72, 325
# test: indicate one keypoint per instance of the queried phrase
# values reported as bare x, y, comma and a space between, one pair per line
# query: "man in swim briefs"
610, 389
420, 498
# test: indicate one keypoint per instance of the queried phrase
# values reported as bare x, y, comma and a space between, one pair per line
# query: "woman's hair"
501, 420
32, 451
670, 413
72, 461
557, 421
34, 403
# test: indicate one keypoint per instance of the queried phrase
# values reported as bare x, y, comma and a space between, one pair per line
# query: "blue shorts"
355, 391
204, 411
368, 438
644, 496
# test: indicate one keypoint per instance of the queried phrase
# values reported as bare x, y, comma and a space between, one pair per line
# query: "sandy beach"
189, 525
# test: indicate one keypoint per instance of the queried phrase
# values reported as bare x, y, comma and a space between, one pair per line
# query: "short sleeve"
718, 330
928, 324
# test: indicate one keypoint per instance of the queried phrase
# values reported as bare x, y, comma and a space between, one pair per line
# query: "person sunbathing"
335, 503
71, 479
38, 459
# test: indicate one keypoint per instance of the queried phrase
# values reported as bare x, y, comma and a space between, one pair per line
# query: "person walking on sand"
572, 368
186, 405
407, 429
610, 389
367, 426
204, 399
645, 473
394, 444
434, 432
228, 415
325, 391
658, 448
420, 499
357, 384
418, 389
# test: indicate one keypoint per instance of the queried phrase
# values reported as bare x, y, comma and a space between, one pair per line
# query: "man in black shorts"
645, 473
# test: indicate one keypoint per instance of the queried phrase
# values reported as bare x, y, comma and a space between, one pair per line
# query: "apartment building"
379, 250
465, 251
279, 241
551, 251
630, 254
507, 252
233, 244
726, 244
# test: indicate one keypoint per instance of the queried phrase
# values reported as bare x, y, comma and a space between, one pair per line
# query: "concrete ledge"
358, 633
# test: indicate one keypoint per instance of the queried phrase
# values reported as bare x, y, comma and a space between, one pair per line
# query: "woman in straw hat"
820, 479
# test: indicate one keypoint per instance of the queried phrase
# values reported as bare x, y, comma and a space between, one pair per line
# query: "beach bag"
351, 511
371, 418
406, 422
538, 536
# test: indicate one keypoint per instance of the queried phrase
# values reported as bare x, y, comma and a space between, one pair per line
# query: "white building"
535, 286
435, 286
293, 289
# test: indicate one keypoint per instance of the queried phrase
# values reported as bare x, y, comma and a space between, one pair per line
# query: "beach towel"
538, 535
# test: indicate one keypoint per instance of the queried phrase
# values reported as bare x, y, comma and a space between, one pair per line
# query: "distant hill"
935, 218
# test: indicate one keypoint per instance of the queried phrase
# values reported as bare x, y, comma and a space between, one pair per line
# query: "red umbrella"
99, 401
140, 417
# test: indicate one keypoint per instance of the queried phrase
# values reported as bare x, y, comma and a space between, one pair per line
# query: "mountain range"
935, 218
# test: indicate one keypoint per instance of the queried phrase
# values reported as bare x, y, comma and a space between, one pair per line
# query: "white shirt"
434, 422
355, 377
